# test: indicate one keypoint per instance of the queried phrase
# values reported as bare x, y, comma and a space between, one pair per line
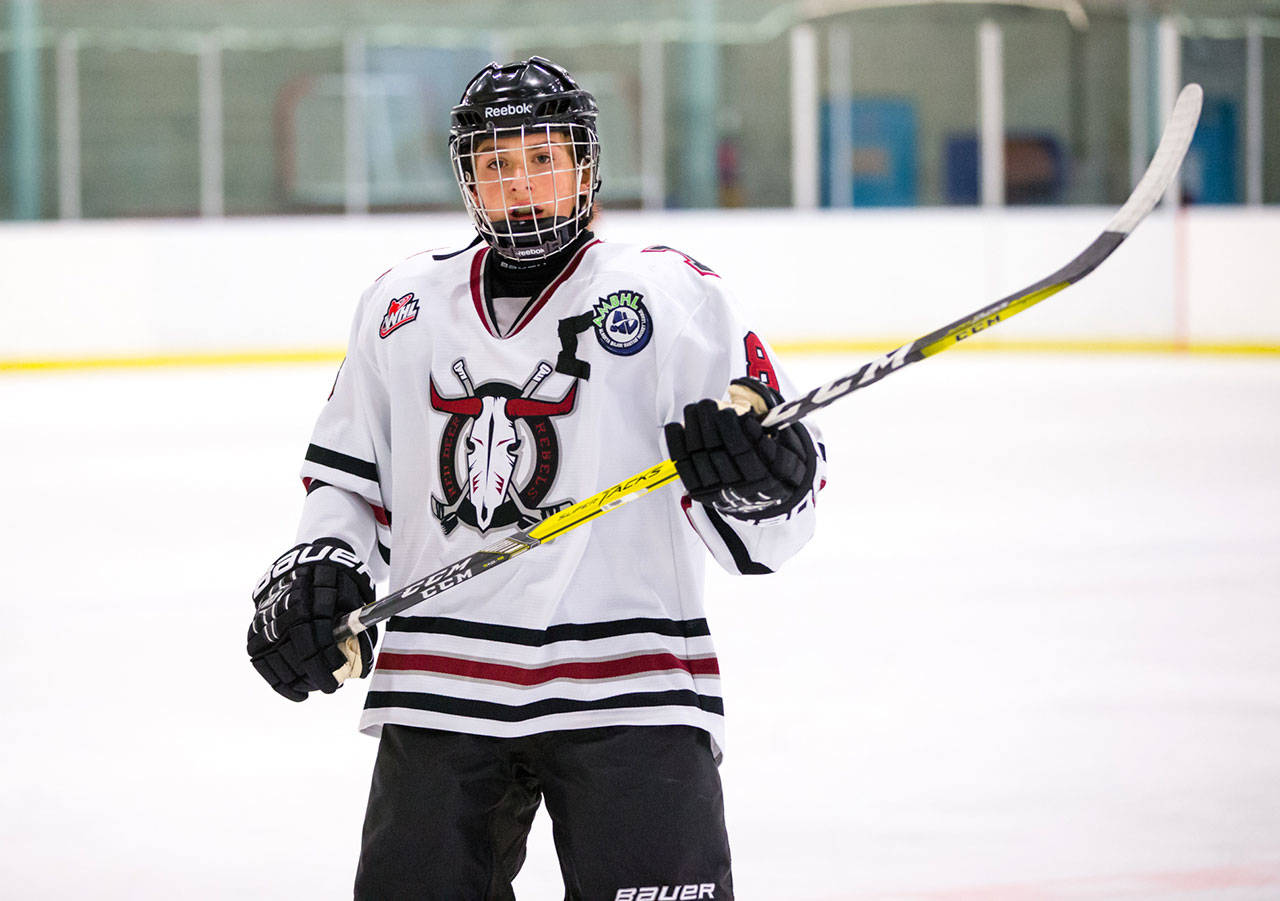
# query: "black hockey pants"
637, 814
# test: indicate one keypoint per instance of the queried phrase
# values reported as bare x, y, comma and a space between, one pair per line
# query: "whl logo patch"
622, 323
401, 311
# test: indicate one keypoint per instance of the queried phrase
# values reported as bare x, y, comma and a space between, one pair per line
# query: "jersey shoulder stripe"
700, 268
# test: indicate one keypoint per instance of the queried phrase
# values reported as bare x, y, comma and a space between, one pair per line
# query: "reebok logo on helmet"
511, 109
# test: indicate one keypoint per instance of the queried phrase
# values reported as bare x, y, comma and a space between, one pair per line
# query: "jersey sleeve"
346, 466
712, 349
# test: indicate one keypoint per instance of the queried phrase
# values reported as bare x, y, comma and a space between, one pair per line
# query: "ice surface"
1034, 651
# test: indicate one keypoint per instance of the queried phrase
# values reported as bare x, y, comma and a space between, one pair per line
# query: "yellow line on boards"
156, 361
797, 348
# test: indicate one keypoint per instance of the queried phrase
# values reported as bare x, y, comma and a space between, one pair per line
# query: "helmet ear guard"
534, 97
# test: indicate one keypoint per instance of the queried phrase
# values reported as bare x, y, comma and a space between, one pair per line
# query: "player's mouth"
522, 213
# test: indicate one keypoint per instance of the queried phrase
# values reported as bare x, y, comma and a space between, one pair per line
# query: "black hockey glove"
299, 600
730, 462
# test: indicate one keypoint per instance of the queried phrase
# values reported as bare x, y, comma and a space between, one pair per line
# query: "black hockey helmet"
531, 97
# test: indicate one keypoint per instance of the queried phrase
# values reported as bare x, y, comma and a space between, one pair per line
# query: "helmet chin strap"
537, 238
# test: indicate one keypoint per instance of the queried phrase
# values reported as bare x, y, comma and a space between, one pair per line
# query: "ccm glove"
730, 462
299, 601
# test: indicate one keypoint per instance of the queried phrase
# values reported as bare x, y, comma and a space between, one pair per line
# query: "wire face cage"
530, 188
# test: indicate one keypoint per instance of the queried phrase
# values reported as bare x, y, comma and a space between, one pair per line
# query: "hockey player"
484, 389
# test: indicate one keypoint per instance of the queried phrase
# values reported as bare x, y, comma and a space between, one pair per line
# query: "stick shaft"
511, 546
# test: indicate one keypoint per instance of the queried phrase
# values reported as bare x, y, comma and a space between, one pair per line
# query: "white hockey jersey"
452, 432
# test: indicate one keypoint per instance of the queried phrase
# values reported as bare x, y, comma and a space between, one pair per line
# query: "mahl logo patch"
623, 325
400, 311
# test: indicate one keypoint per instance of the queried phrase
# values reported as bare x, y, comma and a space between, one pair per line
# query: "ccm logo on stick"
690, 892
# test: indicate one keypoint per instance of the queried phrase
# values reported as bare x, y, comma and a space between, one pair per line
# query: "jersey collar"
527, 314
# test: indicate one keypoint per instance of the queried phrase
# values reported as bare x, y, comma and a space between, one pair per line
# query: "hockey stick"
1152, 186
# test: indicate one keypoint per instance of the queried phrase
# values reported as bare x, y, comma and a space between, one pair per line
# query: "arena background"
1032, 652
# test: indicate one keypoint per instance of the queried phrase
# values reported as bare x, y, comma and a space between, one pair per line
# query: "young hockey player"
483, 390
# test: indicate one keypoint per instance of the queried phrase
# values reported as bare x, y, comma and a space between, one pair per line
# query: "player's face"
528, 176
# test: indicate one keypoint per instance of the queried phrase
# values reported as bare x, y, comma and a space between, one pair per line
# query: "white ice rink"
1033, 652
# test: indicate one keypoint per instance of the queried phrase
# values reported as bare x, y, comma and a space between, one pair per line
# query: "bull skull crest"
486, 422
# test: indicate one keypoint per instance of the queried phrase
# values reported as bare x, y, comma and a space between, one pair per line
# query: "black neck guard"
505, 277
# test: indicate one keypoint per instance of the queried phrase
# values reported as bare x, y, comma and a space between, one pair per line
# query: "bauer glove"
299, 601
730, 462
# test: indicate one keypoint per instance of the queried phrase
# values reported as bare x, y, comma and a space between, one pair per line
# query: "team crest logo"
401, 311
622, 323
499, 454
